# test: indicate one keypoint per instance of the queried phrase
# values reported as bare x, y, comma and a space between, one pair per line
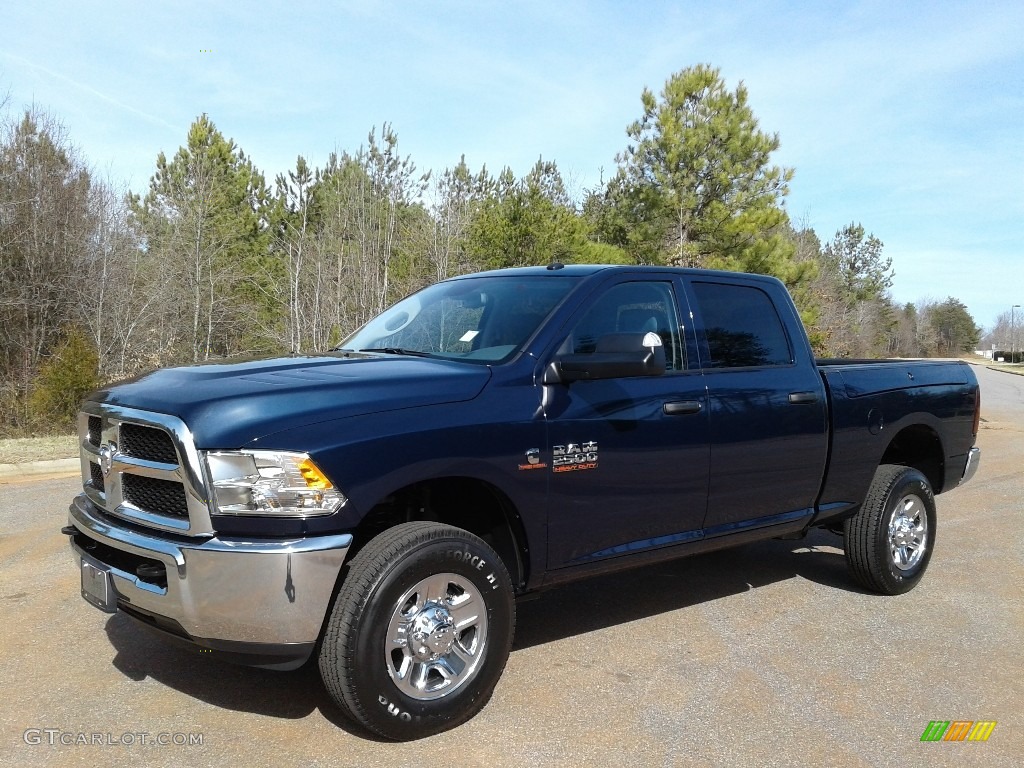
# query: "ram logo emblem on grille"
107, 453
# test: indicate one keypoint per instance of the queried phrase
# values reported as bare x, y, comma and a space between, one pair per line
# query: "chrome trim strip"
219, 581
88, 522
156, 469
973, 461
129, 511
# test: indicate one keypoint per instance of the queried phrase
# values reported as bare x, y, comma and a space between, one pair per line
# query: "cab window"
743, 329
637, 307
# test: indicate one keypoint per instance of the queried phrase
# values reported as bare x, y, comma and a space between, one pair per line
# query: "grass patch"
19, 450
1016, 368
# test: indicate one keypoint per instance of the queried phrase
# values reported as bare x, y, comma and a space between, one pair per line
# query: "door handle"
803, 398
682, 407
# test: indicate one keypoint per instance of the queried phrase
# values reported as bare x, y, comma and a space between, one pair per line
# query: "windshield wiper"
397, 351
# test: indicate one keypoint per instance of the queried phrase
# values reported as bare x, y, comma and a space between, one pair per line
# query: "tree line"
214, 261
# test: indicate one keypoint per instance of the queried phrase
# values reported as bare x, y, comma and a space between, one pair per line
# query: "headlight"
275, 483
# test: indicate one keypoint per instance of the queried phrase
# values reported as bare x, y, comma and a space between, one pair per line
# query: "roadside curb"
1003, 370
28, 469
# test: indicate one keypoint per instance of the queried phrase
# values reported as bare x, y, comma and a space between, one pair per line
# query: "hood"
229, 405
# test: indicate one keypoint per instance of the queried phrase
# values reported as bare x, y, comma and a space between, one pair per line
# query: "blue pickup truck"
381, 507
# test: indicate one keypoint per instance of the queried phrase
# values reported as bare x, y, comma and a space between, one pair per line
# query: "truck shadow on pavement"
561, 613
638, 593
142, 654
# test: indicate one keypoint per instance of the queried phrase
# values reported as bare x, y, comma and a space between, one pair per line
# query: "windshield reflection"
478, 319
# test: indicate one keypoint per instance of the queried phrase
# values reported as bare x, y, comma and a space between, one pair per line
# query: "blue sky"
907, 117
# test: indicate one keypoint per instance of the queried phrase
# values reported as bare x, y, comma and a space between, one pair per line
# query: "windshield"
483, 319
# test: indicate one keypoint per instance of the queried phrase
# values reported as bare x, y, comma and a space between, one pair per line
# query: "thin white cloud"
151, 118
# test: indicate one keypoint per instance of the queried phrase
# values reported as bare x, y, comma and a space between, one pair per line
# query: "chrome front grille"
143, 467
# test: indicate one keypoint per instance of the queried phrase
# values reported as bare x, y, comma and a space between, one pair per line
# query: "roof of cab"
586, 270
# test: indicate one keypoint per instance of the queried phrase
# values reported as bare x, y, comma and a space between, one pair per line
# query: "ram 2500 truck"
381, 507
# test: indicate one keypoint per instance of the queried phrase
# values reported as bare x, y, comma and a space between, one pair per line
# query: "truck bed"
879, 407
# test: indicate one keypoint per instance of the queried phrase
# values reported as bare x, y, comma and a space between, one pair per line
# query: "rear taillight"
977, 411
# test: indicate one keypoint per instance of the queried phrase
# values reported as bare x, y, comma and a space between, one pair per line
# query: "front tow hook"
85, 543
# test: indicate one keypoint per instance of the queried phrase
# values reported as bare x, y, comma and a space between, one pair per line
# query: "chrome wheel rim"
437, 637
908, 533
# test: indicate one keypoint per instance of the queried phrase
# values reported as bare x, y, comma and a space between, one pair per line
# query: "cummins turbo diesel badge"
533, 460
574, 457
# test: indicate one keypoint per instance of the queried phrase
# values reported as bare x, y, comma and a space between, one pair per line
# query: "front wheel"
890, 540
420, 631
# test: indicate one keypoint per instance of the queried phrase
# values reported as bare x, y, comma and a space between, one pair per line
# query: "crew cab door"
628, 455
768, 407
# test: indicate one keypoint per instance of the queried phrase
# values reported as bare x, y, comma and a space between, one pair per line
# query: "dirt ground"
756, 656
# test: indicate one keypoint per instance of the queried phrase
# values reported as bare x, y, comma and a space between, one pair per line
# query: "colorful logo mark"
958, 730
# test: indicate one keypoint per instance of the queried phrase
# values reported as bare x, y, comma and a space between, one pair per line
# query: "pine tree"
696, 186
204, 221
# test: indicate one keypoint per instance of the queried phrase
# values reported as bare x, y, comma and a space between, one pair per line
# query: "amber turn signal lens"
313, 476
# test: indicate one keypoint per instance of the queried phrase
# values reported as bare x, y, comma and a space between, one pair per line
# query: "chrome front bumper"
973, 460
255, 597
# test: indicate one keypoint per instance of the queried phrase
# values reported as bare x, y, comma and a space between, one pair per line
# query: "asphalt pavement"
762, 655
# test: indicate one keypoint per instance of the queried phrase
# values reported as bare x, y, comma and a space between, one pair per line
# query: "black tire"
419, 632
889, 541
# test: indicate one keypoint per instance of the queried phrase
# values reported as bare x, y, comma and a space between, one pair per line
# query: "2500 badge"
574, 457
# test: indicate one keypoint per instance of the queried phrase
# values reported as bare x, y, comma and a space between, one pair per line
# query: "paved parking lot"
761, 655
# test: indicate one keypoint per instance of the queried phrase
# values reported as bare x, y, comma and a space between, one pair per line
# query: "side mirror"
617, 355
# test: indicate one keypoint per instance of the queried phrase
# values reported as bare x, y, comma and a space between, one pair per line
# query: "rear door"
768, 412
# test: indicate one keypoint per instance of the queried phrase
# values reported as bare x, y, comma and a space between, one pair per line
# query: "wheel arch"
470, 503
918, 446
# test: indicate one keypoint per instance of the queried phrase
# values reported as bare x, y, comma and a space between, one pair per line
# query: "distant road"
1001, 393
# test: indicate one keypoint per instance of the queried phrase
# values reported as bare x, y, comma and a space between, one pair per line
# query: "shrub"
71, 373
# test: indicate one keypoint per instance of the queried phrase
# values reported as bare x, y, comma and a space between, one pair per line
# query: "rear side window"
742, 327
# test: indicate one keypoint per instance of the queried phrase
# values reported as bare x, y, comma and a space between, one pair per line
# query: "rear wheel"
420, 631
889, 541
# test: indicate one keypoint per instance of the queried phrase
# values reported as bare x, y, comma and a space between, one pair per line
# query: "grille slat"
147, 443
161, 497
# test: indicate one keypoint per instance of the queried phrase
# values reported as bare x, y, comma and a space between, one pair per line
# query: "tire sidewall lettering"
474, 562
393, 710
467, 557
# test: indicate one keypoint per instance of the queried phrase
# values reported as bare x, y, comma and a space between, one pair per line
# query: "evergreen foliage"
529, 222
204, 228
954, 328
858, 263
63, 380
696, 186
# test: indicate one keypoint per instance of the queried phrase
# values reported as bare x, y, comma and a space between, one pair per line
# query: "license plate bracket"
97, 587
